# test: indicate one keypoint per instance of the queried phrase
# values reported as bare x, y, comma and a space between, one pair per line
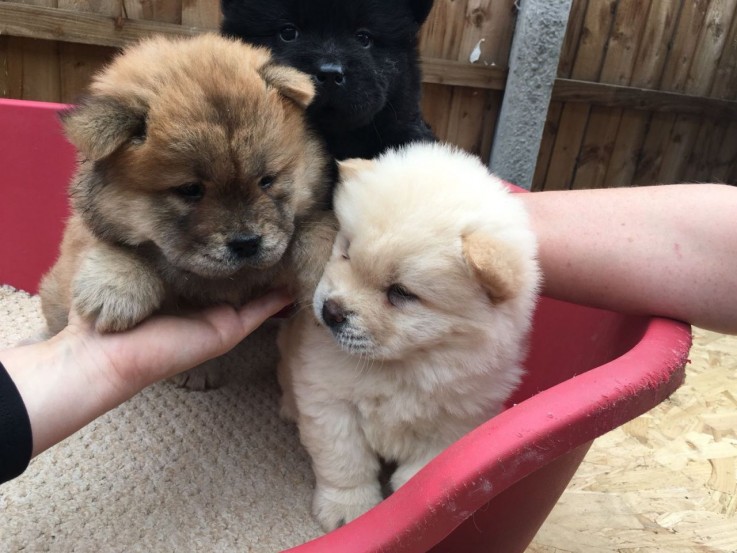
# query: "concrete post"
533, 67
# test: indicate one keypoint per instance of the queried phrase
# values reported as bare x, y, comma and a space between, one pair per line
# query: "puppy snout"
330, 75
246, 245
334, 314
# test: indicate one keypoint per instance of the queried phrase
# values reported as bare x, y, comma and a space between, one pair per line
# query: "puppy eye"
266, 181
364, 39
399, 295
192, 191
288, 33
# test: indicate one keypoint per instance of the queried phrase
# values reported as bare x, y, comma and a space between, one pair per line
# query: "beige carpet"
170, 470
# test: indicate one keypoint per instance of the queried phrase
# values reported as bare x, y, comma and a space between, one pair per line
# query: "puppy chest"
395, 423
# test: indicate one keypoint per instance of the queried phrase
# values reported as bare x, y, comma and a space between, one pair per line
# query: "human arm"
76, 376
657, 250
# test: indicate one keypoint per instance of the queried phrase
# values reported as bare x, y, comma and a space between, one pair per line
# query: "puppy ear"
494, 264
420, 9
290, 82
98, 126
349, 168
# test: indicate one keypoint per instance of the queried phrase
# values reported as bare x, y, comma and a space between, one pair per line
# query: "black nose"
333, 314
246, 245
330, 74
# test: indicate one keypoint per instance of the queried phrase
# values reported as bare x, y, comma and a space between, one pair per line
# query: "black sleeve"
16, 441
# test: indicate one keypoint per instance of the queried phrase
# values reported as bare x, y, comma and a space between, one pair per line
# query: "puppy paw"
334, 507
199, 379
115, 291
287, 412
407, 470
288, 407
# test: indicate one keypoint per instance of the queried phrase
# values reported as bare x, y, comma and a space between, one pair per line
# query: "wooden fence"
683, 53
645, 94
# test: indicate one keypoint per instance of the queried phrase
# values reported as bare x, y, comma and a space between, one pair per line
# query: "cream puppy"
423, 313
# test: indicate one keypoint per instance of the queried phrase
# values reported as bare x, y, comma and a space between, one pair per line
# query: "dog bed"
173, 470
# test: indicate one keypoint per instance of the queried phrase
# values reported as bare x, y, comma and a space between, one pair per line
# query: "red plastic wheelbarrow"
589, 371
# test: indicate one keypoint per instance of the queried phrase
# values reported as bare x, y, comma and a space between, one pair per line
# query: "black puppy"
362, 55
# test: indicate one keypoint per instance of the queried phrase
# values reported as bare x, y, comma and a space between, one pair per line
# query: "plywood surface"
666, 481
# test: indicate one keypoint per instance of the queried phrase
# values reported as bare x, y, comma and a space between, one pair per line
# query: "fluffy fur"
362, 56
423, 310
199, 181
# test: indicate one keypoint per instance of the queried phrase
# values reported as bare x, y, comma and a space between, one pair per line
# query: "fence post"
533, 67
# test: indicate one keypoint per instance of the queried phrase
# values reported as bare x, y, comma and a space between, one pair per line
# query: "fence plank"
78, 62
494, 23
702, 71
455, 73
85, 28
450, 34
169, 11
729, 155
436, 105
587, 66
627, 148
648, 71
667, 142
205, 15
546, 146
442, 33
468, 119
39, 63
11, 67
711, 155
691, 148
685, 40
721, 166
133, 9
603, 124
599, 94
572, 39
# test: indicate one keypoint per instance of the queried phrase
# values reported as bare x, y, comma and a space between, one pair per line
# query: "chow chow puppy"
197, 176
424, 310
362, 56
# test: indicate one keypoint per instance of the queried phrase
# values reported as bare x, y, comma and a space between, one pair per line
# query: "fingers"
233, 325
255, 312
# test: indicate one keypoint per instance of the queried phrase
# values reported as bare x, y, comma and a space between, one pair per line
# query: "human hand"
165, 345
79, 374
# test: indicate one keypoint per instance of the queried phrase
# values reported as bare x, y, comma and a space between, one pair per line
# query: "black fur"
362, 55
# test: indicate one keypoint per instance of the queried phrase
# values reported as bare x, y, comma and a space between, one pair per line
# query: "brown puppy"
199, 182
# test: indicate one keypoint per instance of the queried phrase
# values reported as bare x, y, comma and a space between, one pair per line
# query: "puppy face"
421, 262
387, 298
359, 53
199, 146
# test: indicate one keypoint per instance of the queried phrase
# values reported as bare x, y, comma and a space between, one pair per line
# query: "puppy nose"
333, 314
330, 74
246, 245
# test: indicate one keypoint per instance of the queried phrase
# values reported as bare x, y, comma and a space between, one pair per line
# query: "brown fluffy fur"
169, 118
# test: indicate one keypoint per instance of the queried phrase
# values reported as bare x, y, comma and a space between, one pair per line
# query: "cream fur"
407, 375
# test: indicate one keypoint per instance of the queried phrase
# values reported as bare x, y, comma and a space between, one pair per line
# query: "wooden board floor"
666, 481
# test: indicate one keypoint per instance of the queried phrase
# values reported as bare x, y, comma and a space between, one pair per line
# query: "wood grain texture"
667, 480
647, 90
